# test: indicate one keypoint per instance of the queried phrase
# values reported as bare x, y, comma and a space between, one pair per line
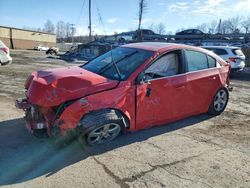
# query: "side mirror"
142, 79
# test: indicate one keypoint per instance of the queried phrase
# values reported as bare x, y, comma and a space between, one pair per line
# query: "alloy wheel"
220, 100
104, 133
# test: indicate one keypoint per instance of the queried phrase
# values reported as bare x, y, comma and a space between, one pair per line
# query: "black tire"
96, 128
219, 102
122, 40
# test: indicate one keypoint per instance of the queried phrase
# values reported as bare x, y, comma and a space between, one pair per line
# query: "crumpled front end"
39, 121
52, 121
55, 101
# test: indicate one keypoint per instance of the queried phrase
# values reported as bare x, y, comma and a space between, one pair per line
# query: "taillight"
6, 50
232, 59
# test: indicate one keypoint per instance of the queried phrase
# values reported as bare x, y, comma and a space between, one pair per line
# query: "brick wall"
25, 39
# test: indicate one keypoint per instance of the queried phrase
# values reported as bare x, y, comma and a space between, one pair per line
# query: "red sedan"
132, 87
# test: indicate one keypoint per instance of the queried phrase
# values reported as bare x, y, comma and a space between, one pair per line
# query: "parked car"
41, 48
132, 87
147, 34
125, 36
52, 51
4, 54
230, 54
196, 34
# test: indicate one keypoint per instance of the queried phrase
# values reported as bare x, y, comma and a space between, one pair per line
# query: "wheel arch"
124, 118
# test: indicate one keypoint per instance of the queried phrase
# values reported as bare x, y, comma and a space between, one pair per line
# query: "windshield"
119, 63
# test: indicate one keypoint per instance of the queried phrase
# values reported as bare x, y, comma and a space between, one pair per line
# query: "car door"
203, 80
161, 96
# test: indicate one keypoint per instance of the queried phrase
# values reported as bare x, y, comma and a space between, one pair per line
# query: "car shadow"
24, 157
241, 76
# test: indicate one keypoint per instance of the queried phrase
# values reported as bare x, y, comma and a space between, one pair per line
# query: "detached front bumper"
36, 122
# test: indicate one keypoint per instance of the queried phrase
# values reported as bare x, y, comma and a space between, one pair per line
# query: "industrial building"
16, 38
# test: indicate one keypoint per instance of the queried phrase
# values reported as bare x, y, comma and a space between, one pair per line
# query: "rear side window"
211, 62
196, 60
217, 51
237, 52
220, 51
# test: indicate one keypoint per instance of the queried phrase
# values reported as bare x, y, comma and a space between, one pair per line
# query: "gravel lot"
201, 151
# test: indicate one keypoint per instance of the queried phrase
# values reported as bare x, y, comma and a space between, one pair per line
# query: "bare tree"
68, 30
159, 28
60, 30
213, 27
203, 27
226, 27
179, 30
235, 23
170, 33
151, 27
246, 25
231, 25
142, 7
49, 27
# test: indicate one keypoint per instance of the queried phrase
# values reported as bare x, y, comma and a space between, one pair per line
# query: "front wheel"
219, 102
100, 127
103, 134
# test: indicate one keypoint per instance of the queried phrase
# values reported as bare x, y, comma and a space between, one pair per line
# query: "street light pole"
90, 27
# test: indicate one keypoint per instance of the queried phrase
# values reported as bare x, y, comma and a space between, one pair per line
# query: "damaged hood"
54, 86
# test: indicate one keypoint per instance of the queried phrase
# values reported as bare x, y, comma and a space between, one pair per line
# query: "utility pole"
90, 29
72, 26
219, 27
142, 6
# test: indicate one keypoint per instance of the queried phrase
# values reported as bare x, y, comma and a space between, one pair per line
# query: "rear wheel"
219, 102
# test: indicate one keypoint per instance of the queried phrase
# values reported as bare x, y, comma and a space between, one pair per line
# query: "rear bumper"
236, 67
239, 69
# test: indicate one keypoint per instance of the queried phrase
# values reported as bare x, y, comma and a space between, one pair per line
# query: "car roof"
161, 47
221, 47
154, 46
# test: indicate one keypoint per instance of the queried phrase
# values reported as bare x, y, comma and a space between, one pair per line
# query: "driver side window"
167, 65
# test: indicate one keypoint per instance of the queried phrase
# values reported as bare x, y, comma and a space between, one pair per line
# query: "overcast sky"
119, 15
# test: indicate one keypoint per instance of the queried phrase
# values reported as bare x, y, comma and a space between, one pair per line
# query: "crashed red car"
132, 87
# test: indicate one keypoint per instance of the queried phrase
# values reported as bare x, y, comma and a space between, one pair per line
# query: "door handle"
181, 86
212, 78
148, 92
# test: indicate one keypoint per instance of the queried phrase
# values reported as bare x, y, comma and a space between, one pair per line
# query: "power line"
81, 11
100, 17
